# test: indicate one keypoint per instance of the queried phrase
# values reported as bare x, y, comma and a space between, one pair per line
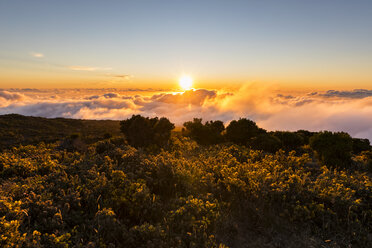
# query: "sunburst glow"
185, 82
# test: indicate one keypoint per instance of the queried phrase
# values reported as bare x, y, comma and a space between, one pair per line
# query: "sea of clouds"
349, 111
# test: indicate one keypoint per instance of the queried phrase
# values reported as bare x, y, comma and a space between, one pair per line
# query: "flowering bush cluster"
207, 186
114, 195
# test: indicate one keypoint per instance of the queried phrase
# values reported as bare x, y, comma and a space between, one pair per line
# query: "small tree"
266, 142
144, 131
205, 134
214, 130
195, 130
306, 135
360, 145
242, 130
333, 149
162, 131
290, 140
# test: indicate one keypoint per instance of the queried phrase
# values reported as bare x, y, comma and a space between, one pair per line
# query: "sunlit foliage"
183, 195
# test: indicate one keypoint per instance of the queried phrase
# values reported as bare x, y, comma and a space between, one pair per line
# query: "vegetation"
118, 192
144, 131
242, 130
205, 134
289, 140
333, 149
18, 130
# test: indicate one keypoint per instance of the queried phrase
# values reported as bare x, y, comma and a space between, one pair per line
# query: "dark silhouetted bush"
104, 146
266, 142
306, 135
162, 131
290, 140
142, 131
107, 136
73, 143
360, 145
241, 131
205, 134
333, 149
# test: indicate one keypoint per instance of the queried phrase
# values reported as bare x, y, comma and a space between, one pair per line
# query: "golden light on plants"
185, 82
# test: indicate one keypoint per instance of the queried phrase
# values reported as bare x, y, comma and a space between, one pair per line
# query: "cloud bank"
349, 111
357, 93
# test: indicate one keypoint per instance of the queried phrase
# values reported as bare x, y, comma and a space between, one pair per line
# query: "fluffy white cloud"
349, 111
14, 96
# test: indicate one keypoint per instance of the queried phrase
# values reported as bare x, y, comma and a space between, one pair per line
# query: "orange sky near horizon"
15, 78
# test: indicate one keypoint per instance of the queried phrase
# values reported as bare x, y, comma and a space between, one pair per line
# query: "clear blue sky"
294, 42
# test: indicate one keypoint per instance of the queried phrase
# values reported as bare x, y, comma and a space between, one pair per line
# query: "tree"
305, 134
217, 126
360, 145
144, 131
194, 129
266, 142
162, 131
214, 130
204, 134
290, 141
333, 149
242, 130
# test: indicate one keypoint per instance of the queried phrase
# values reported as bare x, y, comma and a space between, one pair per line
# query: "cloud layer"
349, 111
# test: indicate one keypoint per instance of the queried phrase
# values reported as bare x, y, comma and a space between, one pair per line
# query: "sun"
185, 82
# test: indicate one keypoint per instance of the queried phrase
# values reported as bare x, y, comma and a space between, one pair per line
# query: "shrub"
144, 131
205, 134
333, 149
360, 145
290, 140
266, 142
241, 131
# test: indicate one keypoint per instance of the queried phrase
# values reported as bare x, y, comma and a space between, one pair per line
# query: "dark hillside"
26, 130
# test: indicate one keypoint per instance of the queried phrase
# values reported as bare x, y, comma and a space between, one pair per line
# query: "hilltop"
28, 130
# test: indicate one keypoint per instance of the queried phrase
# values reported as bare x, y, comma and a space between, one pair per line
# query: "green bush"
333, 149
144, 131
186, 195
205, 134
242, 130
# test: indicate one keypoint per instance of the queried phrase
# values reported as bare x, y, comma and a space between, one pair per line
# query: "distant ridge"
17, 129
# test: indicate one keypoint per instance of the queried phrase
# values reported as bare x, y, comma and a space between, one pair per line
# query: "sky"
149, 44
287, 65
